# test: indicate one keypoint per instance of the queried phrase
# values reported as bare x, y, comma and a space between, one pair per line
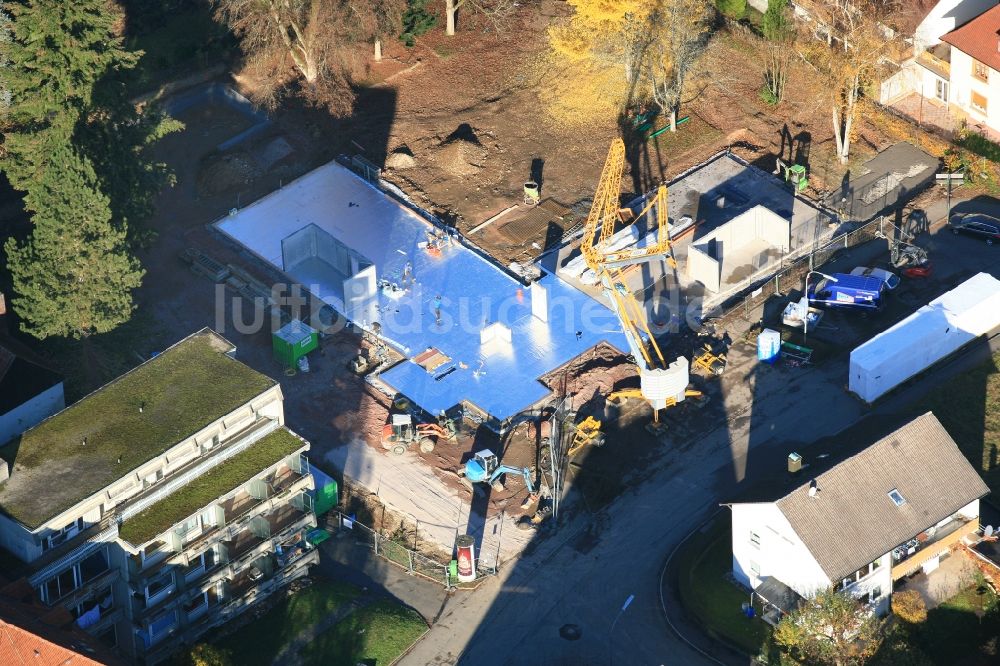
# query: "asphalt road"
582, 575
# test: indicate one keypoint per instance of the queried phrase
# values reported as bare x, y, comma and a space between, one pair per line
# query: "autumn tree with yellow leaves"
611, 54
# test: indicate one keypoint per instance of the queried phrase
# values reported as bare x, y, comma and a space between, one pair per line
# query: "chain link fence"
415, 563
791, 275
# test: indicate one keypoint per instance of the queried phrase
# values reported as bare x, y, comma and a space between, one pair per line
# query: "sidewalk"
341, 558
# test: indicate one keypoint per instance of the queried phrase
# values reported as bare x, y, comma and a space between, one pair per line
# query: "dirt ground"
458, 123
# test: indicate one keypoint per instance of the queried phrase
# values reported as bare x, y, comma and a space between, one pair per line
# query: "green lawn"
261, 640
710, 597
969, 408
375, 635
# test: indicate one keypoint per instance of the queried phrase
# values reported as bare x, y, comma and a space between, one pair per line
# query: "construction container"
293, 341
768, 345
325, 494
942, 327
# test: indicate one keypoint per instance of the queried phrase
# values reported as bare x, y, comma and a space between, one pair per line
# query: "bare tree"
380, 18
776, 63
497, 11
857, 44
682, 29
314, 37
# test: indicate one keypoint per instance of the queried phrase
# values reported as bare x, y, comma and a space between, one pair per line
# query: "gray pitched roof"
852, 521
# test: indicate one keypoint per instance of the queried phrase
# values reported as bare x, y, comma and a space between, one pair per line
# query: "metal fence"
791, 275
413, 562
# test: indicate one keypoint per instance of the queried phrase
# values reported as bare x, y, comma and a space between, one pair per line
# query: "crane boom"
609, 265
661, 382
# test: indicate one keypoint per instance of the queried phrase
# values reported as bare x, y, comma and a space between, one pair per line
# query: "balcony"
84, 592
937, 60
239, 511
907, 558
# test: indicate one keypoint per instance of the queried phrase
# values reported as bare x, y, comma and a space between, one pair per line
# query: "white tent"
934, 331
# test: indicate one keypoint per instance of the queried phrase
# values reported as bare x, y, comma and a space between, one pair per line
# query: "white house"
862, 524
975, 69
925, 69
29, 394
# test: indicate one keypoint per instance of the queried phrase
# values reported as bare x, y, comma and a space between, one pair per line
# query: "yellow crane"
663, 384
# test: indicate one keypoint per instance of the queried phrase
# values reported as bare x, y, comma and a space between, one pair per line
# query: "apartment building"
164, 503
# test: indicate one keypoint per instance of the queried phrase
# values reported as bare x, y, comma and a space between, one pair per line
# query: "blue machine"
841, 290
485, 467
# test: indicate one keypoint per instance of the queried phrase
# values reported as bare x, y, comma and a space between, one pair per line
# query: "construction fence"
791, 275
415, 563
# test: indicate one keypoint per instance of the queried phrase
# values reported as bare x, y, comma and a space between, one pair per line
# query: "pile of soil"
592, 376
461, 157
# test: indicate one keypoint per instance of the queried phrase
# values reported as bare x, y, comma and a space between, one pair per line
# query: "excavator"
485, 467
401, 432
662, 384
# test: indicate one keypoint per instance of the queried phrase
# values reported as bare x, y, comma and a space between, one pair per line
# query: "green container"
326, 498
293, 341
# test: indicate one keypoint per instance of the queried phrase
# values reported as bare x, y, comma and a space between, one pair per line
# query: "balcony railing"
910, 556
935, 64
82, 593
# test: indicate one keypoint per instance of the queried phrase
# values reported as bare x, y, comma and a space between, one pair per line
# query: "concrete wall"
31, 413
963, 84
781, 553
703, 268
707, 254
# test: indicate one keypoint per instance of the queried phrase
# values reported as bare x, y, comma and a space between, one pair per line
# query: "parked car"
978, 225
890, 279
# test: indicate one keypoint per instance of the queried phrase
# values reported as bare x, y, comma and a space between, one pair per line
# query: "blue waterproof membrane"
500, 378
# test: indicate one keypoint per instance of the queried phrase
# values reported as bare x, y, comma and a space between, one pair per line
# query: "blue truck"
852, 292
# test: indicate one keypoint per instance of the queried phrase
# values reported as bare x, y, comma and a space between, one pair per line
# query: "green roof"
209, 487
100, 439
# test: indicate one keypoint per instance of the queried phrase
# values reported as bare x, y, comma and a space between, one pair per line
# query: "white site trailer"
944, 325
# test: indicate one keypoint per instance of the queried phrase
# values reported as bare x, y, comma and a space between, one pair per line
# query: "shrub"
775, 24
204, 654
980, 145
416, 21
909, 606
734, 9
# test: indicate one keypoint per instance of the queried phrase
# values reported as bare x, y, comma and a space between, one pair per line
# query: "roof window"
896, 497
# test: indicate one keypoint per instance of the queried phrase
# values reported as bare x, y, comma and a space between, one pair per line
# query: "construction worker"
437, 309
408, 274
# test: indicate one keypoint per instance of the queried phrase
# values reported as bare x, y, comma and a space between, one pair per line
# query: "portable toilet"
768, 345
293, 341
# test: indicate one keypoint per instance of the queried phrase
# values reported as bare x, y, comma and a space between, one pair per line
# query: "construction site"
493, 379
496, 396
